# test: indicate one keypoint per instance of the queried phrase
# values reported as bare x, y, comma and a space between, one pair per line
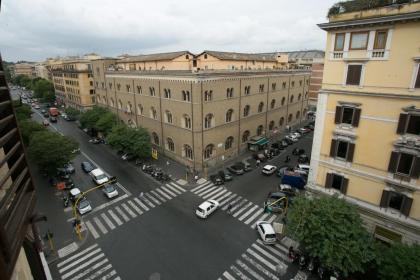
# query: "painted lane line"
218, 190
236, 214
158, 196
90, 269
100, 225
164, 194
79, 260
207, 191
178, 187
239, 273
281, 248
67, 250
237, 205
259, 212
128, 210
102, 206
82, 266
228, 276
272, 218
220, 199
108, 276
77, 255
262, 218
122, 214
166, 190
203, 189
267, 254
218, 194
169, 187
134, 206
259, 267
107, 221
142, 205
232, 202
261, 259
152, 198
279, 253
148, 202
115, 217
249, 270
199, 187
92, 229
248, 212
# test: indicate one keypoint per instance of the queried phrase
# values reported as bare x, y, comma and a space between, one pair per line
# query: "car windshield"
109, 188
271, 236
83, 204
200, 210
100, 177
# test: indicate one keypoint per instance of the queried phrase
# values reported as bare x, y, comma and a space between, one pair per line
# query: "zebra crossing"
242, 209
130, 209
259, 262
88, 264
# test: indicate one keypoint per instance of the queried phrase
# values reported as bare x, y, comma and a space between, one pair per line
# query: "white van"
266, 232
302, 169
98, 176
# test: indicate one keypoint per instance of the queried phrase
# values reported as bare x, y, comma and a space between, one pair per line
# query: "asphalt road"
158, 236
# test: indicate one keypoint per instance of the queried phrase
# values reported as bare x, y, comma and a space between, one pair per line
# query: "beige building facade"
26, 69
366, 141
202, 118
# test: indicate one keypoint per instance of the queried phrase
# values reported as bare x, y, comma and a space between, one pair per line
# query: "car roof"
268, 228
269, 166
75, 191
204, 205
304, 166
97, 172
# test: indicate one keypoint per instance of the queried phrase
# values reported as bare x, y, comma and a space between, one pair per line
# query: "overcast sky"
36, 29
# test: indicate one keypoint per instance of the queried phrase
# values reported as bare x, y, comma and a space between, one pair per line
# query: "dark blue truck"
293, 179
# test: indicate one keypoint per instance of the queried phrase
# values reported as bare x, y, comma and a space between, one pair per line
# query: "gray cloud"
36, 29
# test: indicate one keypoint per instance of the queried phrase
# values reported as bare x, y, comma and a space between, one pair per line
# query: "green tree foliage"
106, 122
50, 150
71, 112
130, 140
43, 89
22, 80
331, 229
89, 118
28, 128
399, 262
23, 111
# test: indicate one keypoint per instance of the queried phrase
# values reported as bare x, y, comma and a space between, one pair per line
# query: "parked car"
303, 159
36, 106
64, 116
53, 119
236, 169
43, 111
216, 179
268, 169
283, 169
289, 191
297, 151
45, 123
288, 141
283, 144
128, 156
226, 176
110, 190
66, 169
75, 194
87, 166
304, 130
297, 134
46, 115
96, 140
84, 206
98, 176
276, 202
292, 137
266, 232
206, 208
246, 166
302, 169
260, 156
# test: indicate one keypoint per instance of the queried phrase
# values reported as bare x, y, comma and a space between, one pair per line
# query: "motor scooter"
66, 201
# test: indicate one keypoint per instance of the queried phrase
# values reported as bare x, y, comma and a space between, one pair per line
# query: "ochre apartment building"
366, 142
25, 69
202, 117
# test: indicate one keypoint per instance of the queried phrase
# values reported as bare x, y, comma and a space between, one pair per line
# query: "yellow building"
366, 145
26, 69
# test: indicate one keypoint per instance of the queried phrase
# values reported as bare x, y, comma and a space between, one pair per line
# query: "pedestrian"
258, 162
196, 178
229, 208
141, 195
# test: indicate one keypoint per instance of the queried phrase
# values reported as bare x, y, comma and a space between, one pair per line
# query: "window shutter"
393, 161
350, 152
338, 113
415, 170
384, 199
344, 185
406, 207
356, 117
417, 85
402, 123
333, 147
329, 180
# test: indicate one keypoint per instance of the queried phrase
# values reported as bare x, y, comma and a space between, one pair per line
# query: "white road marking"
167, 190
115, 217
129, 211
109, 275
248, 212
228, 276
92, 230
148, 202
100, 225
102, 206
76, 255
92, 268
242, 209
152, 198
203, 189
178, 187
261, 259
135, 207
122, 214
212, 193
230, 198
67, 250
141, 204
237, 205
253, 216
262, 218
164, 194
260, 267
239, 273
272, 219
158, 196
274, 251
173, 189
79, 260
249, 270
218, 194
199, 187
87, 263
206, 191
264, 252
224, 196
107, 221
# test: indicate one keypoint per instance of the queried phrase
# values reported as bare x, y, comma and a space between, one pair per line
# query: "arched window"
208, 121
291, 99
271, 125
139, 90
306, 95
153, 113
119, 104
229, 93
187, 151
273, 104
186, 95
299, 96
208, 151
152, 91
283, 100
297, 115
118, 86
129, 108
247, 109
139, 109
281, 122
228, 143
99, 99
155, 138
208, 95
187, 121
168, 116
260, 107
290, 118
260, 129
128, 87
110, 85
167, 93
170, 144
229, 115
245, 136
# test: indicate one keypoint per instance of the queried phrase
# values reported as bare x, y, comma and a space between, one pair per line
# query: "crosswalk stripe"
122, 214
100, 225
155, 197
278, 246
265, 253
76, 255
107, 221
259, 267
92, 268
152, 198
99, 272
239, 273
199, 187
109, 275
178, 187
262, 218
218, 195
164, 194
228, 276
261, 259
118, 278
230, 198
212, 193
207, 191
242, 209
81, 259
248, 212
92, 229
134, 206
274, 251
148, 201
129, 211
168, 190
204, 189
81, 266
173, 189
142, 205
115, 217
254, 216
272, 218
249, 270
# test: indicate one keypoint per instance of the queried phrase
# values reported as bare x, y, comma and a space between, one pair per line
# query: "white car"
206, 208
84, 207
292, 137
297, 134
302, 169
269, 169
266, 232
110, 190
98, 176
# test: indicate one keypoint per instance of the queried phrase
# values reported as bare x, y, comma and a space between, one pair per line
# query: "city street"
158, 235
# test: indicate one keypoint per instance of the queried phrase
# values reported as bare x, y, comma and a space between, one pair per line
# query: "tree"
130, 140
71, 112
50, 150
22, 111
48, 97
43, 89
106, 122
331, 229
28, 128
89, 118
399, 262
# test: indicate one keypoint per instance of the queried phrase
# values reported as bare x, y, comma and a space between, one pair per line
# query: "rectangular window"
354, 74
417, 84
413, 126
395, 200
337, 182
342, 149
405, 164
347, 115
339, 41
359, 40
380, 39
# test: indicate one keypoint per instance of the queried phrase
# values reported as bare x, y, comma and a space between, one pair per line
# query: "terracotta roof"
156, 56
243, 56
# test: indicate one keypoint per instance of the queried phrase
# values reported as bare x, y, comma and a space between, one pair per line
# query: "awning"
262, 141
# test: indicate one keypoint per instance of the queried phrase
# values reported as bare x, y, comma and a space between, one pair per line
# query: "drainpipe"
239, 116
192, 124
161, 118
266, 110
202, 128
